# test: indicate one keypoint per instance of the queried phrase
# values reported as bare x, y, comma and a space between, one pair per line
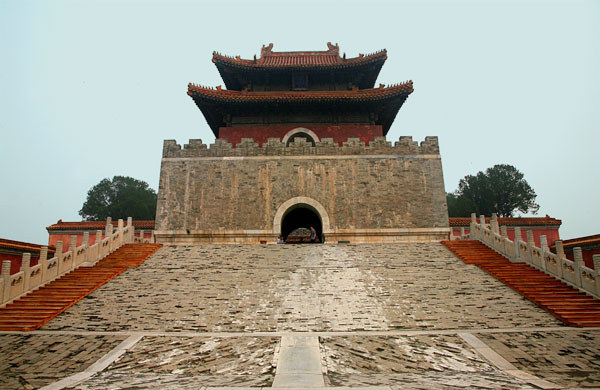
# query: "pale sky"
90, 89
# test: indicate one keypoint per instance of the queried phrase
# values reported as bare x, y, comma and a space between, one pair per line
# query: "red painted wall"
66, 239
587, 256
261, 134
551, 234
16, 260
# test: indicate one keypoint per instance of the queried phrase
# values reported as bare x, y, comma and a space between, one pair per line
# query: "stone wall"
327, 146
368, 193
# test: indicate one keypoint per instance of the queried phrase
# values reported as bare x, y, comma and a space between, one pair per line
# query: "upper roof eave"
96, 225
226, 95
299, 60
509, 221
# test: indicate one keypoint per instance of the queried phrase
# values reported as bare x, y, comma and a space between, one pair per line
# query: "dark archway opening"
299, 219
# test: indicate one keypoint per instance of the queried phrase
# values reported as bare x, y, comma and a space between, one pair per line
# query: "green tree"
459, 206
120, 197
500, 189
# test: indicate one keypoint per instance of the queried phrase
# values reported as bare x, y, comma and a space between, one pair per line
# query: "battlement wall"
375, 193
327, 146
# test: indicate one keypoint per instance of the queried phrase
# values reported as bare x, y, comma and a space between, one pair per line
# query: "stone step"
40, 306
567, 304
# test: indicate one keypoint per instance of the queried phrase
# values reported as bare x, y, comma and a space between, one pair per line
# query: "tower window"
299, 81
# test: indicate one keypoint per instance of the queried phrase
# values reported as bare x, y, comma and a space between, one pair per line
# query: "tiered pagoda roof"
296, 86
244, 96
384, 101
314, 61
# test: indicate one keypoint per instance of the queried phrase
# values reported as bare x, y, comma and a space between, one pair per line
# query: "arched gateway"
301, 212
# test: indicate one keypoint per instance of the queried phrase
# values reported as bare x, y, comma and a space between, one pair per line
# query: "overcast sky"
90, 89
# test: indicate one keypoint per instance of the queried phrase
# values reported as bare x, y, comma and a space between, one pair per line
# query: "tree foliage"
500, 189
120, 197
459, 206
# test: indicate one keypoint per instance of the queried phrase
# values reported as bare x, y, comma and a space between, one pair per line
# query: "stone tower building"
300, 141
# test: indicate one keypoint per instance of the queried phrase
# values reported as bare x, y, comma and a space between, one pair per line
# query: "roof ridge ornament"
266, 50
333, 49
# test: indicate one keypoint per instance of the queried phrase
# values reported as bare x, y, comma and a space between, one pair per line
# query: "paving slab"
299, 363
369, 287
37, 360
315, 316
565, 358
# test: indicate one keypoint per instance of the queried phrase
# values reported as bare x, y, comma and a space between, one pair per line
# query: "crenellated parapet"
300, 147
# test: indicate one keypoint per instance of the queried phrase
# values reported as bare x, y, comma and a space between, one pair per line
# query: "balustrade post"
43, 261
530, 246
462, 233
59, 250
6, 277
482, 236
516, 242
131, 230
472, 226
504, 235
109, 233
109, 228
494, 224
120, 230
544, 249
26, 268
560, 253
141, 236
73, 249
596, 262
578, 263
73, 243
86, 245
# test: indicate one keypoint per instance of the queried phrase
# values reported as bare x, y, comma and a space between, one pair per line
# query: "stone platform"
391, 316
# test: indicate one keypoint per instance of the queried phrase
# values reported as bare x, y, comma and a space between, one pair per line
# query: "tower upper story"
300, 70
328, 94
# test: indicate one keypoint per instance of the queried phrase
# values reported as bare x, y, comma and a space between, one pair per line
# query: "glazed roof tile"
300, 59
518, 221
580, 241
22, 246
220, 94
96, 225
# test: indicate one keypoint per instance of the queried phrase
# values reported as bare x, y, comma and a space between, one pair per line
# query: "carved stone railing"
574, 273
32, 277
143, 240
326, 146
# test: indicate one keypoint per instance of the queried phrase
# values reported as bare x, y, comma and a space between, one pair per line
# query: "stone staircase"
567, 304
40, 306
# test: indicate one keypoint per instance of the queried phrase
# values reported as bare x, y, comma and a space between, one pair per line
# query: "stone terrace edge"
327, 146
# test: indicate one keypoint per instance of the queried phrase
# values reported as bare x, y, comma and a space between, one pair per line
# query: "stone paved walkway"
302, 288
378, 316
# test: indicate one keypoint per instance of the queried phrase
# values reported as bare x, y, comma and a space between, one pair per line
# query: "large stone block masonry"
361, 193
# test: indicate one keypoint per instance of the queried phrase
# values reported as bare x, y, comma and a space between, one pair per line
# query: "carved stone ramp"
567, 304
40, 306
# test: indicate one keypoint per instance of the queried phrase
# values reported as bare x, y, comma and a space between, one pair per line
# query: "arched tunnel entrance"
296, 223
